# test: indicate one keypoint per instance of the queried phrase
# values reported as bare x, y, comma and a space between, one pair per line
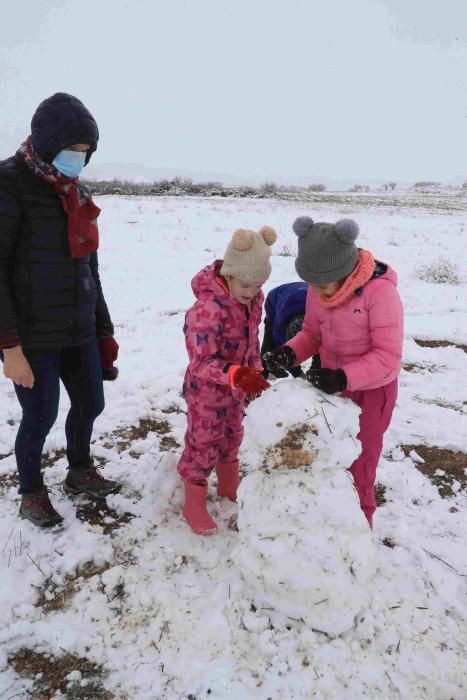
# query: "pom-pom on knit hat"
248, 255
326, 252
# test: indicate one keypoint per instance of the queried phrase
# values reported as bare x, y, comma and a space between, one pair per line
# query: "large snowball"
304, 545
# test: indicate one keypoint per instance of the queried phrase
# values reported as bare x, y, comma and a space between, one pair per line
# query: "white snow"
304, 545
169, 614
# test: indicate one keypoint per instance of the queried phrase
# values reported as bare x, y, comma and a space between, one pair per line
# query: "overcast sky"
358, 89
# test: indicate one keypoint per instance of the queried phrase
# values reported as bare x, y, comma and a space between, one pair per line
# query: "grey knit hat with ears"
248, 255
326, 252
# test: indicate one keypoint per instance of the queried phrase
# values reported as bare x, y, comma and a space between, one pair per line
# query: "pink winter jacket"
363, 335
218, 331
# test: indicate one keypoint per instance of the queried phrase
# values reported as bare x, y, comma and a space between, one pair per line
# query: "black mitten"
328, 380
278, 361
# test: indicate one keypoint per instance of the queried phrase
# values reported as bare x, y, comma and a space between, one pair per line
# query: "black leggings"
80, 371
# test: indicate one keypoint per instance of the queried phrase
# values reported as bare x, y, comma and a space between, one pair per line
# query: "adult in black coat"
54, 321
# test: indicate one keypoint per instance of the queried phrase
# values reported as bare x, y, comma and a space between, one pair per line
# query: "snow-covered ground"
170, 615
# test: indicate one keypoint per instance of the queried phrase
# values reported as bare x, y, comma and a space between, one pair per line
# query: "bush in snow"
304, 545
441, 271
426, 183
286, 251
359, 188
268, 188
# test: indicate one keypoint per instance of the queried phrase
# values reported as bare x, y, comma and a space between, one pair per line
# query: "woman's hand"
108, 352
17, 368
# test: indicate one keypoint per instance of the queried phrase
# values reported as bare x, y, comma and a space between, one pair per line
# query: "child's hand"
278, 361
328, 380
251, 397
249, 380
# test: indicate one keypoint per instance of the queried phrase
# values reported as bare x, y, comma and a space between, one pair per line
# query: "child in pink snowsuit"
354, 319
221, 335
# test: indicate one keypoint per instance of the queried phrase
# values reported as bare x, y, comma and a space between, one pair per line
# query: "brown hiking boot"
89, 482
37, 508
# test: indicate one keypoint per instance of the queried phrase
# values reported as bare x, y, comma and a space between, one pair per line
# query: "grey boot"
89, 482
37, 508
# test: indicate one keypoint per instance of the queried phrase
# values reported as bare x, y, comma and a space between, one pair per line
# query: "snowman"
304, 547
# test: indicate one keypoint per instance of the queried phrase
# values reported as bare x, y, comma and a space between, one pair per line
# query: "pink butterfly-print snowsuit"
219, 331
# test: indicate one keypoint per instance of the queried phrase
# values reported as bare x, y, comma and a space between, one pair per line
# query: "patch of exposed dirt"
53, 597
421, 367
380, 494
441, 466
50, 458
52, 672
440, 344
7, 481
441, 403
97, 512
122, 438
173, 408
288, 453
169, 443
233, 522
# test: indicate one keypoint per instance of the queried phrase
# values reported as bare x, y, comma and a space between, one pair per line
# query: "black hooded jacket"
48, 299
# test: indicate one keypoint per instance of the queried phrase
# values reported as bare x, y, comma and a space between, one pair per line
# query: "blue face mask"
70, 163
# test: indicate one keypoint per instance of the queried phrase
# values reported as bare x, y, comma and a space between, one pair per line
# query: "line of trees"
184, 186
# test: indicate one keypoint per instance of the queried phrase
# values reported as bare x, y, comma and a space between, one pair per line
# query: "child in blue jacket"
285, 310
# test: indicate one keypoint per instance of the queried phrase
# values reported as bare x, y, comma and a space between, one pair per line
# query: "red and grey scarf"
83, 234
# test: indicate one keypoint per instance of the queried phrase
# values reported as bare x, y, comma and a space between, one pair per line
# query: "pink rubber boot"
228, 479
195, 511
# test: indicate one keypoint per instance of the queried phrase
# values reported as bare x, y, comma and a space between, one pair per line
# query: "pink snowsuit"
219, 331
363, 336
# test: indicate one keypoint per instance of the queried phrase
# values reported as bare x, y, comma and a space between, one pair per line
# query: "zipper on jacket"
247, 314
331, 335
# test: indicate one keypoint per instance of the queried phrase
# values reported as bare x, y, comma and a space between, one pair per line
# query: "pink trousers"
376, 407
213, 436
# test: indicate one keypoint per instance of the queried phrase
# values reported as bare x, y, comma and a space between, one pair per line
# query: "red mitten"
250, 398
108, 352
249, 380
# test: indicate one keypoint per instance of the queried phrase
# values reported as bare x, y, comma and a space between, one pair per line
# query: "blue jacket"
281, 305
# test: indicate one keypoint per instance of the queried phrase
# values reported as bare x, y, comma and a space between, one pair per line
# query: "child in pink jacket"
221, 335
353, 318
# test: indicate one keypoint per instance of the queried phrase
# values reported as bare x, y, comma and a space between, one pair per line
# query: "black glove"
315, 362
278, 361
328, 380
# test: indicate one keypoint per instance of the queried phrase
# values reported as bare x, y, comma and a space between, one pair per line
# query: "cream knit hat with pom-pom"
248, 255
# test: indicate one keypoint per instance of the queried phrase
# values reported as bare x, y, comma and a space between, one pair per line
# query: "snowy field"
295, 599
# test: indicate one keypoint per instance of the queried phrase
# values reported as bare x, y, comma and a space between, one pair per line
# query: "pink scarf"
357, 278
